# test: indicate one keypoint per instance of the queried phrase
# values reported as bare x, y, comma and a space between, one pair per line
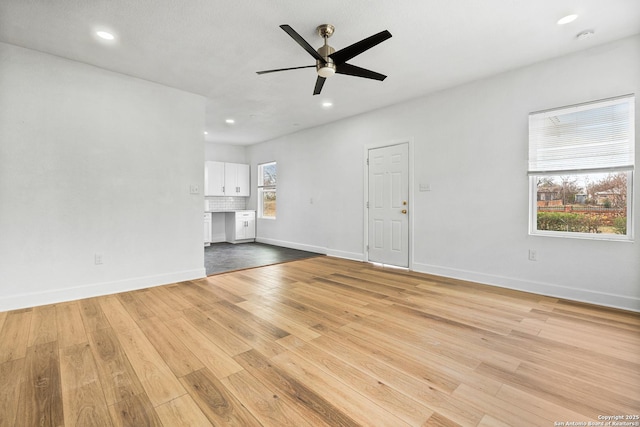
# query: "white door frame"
381, 144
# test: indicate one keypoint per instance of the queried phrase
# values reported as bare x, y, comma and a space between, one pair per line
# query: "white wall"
229, 153
470, 144
94, 162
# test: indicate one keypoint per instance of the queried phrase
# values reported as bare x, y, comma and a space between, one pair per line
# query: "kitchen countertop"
231, 210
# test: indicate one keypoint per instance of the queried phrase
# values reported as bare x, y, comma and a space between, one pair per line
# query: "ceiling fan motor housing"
326, 67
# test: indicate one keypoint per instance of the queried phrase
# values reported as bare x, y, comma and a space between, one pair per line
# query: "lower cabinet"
240, 226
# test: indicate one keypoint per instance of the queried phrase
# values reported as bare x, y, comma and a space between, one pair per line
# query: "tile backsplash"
224, 203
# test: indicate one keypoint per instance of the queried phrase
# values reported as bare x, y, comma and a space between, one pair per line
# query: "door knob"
404, 211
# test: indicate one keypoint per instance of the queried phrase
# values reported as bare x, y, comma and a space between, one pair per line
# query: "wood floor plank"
266, 406
92, 314
408, 410
73, 332
219, 405
40, 402
44, 327
160, 309
437, 420
179, 358
118, 316
345, 398
321, 341
363, 355
155, 376
83, 400
3, 316
299, 330
135, 305
182, 411
135, 411
171, 299
14, 335
11, 375
489, 421
210, 284
498, 409
248, 330
196, 295
216, 332
314, 404
211, 356
551, 411
119, 380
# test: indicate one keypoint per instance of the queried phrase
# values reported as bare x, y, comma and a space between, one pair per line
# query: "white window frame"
540, 168
262, 188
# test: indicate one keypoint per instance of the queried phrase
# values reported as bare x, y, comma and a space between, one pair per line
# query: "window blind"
594, 136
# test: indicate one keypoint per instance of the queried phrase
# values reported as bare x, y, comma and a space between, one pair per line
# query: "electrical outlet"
194, 189
97, 258
533, 256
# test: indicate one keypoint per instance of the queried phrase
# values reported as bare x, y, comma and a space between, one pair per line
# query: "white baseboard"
292, 245
354, 256
310, 248
32, 299
548, 289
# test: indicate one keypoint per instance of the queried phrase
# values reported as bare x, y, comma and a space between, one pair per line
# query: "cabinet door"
214, 179
243, 180
240, 229
250, 229
230, 179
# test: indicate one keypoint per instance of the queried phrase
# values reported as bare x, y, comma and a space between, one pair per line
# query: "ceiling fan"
330, 61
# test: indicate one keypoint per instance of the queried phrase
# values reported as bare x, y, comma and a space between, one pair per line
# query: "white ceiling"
214, 47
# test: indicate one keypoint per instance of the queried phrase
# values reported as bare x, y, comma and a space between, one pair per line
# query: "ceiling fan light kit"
329, 61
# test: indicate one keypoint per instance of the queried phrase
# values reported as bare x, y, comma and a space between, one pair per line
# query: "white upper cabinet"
226, 179
236, 179
213, 178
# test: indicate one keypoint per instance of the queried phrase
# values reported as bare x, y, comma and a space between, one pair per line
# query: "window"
267, 190
581, 161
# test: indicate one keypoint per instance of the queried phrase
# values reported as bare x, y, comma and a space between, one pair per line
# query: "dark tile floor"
221, 257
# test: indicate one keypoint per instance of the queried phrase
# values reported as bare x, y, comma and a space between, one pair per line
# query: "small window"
267, 190
581, 161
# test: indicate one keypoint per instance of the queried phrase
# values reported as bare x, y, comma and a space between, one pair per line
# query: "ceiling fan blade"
345, 54
302, 42
352, 70
284, 69
319, 84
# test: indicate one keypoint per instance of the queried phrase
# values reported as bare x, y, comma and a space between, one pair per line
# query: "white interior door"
388, 211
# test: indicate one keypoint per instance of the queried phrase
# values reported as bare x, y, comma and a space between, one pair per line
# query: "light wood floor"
318, 342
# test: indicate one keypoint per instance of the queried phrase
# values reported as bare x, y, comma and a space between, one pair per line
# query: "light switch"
425, 187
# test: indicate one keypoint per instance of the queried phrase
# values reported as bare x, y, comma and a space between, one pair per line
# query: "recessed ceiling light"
585, 34
567, 19
206, 133
327, 104
105, 35
230, 121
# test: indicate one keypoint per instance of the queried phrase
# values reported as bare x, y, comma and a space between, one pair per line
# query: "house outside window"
267, 179
581, 162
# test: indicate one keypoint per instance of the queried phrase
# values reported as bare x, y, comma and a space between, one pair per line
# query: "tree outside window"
267, 179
